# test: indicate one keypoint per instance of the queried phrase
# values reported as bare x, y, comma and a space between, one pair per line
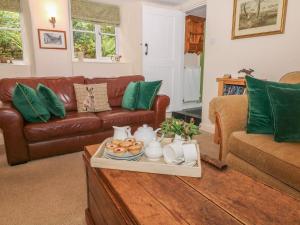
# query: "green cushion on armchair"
29, 104
285, 104
52, 102
147, 94
131, 95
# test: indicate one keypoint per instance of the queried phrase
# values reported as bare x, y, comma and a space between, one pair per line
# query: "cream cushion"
91, 97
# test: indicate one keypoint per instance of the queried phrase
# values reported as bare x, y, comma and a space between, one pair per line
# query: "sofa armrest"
160, 105
12, 124
229, 113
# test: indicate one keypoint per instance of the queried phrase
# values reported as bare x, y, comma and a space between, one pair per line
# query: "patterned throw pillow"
91, 97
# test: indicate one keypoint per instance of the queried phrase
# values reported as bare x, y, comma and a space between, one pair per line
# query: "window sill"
16, 63
98, 61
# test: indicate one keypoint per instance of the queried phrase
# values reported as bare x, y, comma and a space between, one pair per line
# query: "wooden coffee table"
227, 197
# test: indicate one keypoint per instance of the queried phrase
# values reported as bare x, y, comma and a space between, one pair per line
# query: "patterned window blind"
10, 5
95, 12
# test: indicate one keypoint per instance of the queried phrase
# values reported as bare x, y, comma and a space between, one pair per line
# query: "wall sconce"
52, 14
52, 20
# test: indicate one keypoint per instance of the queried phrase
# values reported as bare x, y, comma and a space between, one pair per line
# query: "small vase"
166, 141
181, 139
165, 138
80, 56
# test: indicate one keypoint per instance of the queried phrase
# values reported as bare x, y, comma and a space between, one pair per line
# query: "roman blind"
95, 12
10, 5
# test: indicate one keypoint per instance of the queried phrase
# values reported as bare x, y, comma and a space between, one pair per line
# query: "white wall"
130, 45
50, 61
59, 62
10, 70
90, 69
270, 56
47, 62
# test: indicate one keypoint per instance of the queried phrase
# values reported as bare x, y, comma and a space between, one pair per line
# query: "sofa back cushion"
62, 86
115, 86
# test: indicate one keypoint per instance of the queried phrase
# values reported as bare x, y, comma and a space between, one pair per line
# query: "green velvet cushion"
52, 102
147, 94
130, 97
285, 104
260, 119
29, 104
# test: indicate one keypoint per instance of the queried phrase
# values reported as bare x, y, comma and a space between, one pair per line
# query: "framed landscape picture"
52, 39
253, 18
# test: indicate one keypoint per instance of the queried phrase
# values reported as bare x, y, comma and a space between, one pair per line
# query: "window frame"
22, 31
98, 39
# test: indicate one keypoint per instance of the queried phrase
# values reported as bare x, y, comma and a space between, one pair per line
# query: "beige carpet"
43, 192
52, 191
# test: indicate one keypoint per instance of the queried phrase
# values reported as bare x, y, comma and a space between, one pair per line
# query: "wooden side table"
229, 81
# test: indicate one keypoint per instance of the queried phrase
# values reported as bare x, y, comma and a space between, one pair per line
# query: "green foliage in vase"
172, 126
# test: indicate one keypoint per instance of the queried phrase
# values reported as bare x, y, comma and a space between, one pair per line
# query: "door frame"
185, 8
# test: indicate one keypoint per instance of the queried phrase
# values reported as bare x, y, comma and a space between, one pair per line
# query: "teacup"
190, 152
172, 153
176, 153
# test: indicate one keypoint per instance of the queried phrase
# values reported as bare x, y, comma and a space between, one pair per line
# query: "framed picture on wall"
252, 18
52, 39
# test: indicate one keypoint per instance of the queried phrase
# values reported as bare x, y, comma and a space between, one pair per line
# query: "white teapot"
145, 134
154, 150
121, 133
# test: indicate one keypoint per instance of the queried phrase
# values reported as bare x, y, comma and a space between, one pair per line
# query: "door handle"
147, 49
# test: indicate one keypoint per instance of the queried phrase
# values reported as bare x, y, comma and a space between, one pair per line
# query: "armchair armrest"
12, 124
229, 113
160, 105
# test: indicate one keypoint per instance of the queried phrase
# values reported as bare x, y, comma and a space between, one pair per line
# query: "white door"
163, 50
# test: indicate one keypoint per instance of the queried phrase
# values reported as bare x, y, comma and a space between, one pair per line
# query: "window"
95, 41
11, 46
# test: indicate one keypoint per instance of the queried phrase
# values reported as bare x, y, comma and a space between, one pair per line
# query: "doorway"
162, 49
193, 72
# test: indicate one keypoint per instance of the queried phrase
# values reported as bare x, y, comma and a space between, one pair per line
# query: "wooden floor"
207, 145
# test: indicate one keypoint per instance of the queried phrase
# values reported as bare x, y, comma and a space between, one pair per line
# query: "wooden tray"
144, 165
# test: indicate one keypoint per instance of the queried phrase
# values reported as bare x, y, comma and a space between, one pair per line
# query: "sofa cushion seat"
280, 160
73, 124
122, 117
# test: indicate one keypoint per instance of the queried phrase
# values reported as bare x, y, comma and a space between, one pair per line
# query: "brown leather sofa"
28, 141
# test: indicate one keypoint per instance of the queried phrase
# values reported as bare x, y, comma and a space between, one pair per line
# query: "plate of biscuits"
128, 149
